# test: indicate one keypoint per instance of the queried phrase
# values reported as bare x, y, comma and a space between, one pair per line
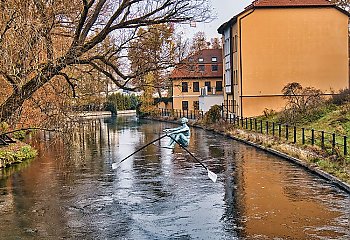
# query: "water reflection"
70, 190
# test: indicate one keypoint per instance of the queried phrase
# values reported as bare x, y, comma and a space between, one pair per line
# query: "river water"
71, 192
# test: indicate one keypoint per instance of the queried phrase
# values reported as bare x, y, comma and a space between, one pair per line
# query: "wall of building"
305, 45
206, 102
190, 96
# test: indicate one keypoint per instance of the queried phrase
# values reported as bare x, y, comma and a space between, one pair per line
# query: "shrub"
342, 97
118, 101
3, 127
301, 102
110, 106
8, 157
269, 112
213, 115
20, 135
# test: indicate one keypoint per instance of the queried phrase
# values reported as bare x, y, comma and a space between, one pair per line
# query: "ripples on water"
70, 191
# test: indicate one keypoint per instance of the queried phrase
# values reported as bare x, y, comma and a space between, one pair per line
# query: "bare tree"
300, 100
43, 40
345, 4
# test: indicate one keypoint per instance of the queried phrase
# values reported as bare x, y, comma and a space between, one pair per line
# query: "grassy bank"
330, 118
15, 153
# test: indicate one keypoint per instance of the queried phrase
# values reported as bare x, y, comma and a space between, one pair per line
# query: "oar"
116, 165
211, 175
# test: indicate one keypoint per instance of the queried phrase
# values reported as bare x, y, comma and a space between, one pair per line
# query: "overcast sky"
224, 11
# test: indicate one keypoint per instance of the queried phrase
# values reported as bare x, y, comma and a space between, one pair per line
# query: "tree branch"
72, 85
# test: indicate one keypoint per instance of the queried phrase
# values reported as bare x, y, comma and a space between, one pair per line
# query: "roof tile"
285, 3
189, 67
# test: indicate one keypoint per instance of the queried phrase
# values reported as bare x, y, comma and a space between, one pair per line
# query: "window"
184, 105
227, 61
235, 77
207, 84
200, 59
201, 68
184, 86
214, 59
195, 86
214, 68
235, 43
219, 86
196, 105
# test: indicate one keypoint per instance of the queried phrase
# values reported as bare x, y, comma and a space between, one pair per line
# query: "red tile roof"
189, 67
287, 3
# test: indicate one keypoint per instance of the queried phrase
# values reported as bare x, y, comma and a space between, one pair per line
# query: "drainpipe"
240, 56
231, 66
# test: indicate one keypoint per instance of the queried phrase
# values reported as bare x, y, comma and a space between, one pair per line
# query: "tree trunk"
16, 100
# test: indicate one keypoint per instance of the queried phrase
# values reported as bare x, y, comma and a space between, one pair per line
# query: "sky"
224, 11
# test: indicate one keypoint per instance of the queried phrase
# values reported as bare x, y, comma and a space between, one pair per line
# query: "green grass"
16, 154
329, 118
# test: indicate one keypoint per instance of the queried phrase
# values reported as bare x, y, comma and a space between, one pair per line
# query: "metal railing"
178, 113
330, 142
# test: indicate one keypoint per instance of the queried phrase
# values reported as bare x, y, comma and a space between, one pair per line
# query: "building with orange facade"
197, 81
275, 42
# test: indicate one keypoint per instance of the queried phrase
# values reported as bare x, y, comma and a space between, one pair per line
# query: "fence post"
279, 130
251, 124
303, 136
312, 136
295, 135
246, 123
345, 146
322, 139
242, 123
333, 142
222, 111
230, 119
273, 128
267, 127
287, 132
256, 125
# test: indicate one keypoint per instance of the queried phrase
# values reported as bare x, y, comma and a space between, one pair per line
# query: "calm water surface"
71, 192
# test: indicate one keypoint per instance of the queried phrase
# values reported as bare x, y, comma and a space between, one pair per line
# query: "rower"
180, 134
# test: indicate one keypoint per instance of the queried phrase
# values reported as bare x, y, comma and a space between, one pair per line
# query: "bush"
3, 127
118, 101
342, 97
110, 106
8, 157
20, 135
213, 115
301, 103
268, 113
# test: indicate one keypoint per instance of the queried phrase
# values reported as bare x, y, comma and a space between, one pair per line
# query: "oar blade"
115, 165
212, 176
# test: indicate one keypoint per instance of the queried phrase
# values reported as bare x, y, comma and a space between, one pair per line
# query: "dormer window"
200, 59
214, 59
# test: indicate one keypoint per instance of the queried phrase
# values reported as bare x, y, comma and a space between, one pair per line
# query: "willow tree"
43, 40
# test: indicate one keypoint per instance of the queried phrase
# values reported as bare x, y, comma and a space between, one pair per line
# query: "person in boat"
180, 134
